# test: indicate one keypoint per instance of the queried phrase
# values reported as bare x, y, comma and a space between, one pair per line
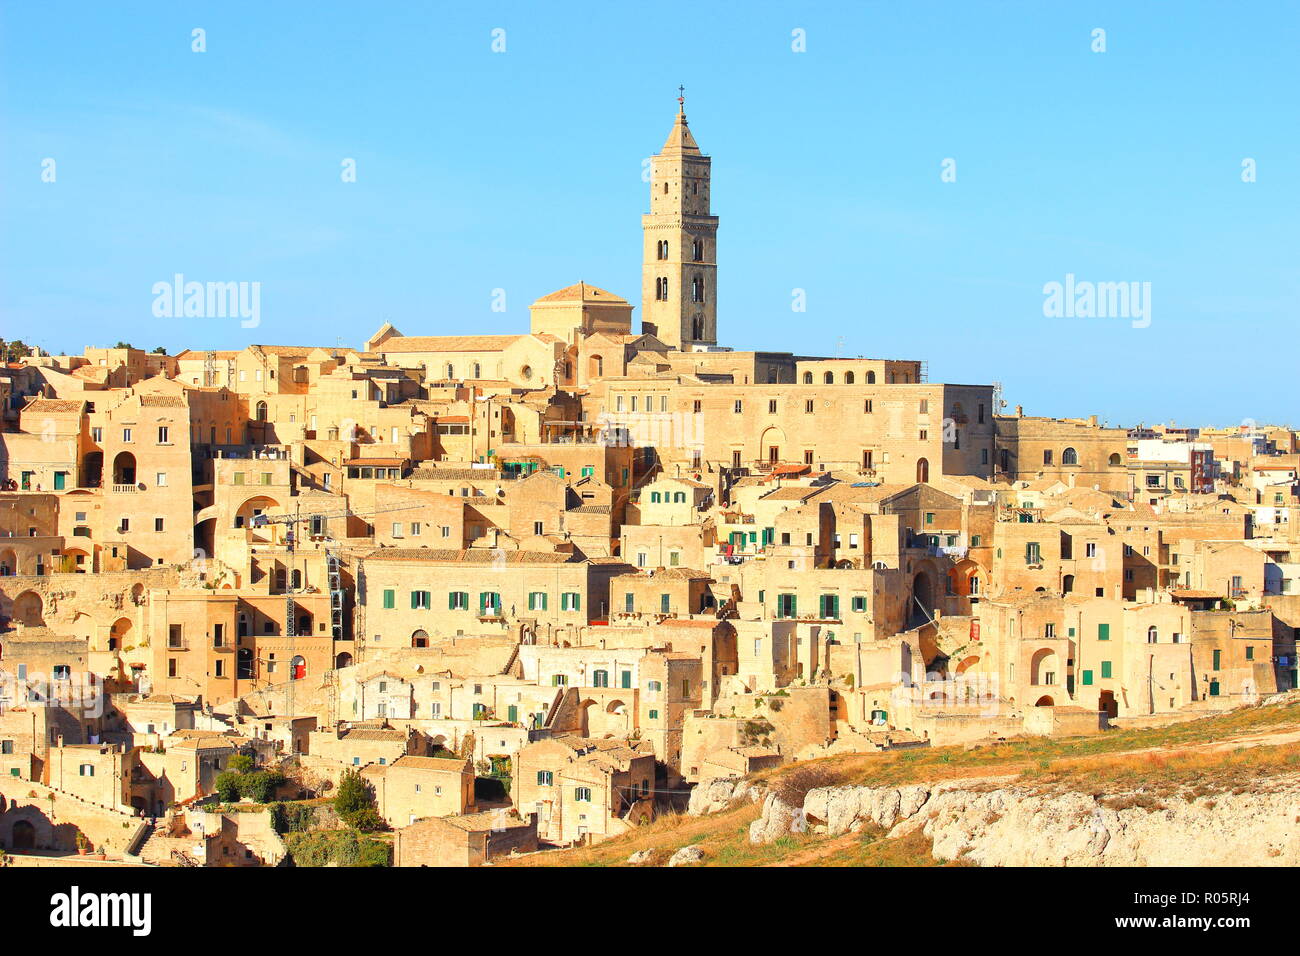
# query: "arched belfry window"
697, 289
698, 249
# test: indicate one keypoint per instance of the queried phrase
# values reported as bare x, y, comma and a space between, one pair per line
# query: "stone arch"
343, 659
78, 559
124, 468
1045, 701
23, 835
8, 562
584, 716
92, 469
922, 470
1107, 704
250, 510
1043, 667
771, 443
119, 634
923, 592
29, 609
420, 638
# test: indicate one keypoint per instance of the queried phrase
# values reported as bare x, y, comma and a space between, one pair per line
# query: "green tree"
240, 763
228, 786
355, 803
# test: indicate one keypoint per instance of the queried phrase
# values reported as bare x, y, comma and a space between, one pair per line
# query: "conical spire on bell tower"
680, 139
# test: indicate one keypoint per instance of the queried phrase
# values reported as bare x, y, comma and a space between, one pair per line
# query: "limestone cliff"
999, 822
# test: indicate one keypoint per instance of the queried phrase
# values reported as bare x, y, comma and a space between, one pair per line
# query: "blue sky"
522, 171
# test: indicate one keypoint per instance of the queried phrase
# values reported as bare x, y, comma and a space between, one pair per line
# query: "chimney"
1020, 411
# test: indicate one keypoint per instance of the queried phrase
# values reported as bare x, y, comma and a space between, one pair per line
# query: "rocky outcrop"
719, 793
686, 855
995, 823
777, 819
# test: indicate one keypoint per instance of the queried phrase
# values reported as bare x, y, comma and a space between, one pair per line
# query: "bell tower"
679, 271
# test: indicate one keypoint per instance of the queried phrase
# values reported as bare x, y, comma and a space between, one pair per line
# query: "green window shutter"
1103, 632
626, 680
577, 601
451, 600
390, 598
663, 603
415, 600
1087, 678
1105, 669
1218, 659
543, 600
532, 600
482, 601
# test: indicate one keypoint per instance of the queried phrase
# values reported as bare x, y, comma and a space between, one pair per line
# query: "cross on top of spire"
681, 99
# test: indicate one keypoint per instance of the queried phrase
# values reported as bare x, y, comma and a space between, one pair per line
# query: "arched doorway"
1107, 704
922, 470
119, 633
1067, 584
922, 596
29, 609
92, 469
769, 445
8, 562
420, 639
298, 668
1043, 667
24, 836
124, 468
343, 660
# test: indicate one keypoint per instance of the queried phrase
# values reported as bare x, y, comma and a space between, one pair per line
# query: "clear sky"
521, 170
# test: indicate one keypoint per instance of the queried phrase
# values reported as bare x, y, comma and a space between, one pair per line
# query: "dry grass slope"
1229, 753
